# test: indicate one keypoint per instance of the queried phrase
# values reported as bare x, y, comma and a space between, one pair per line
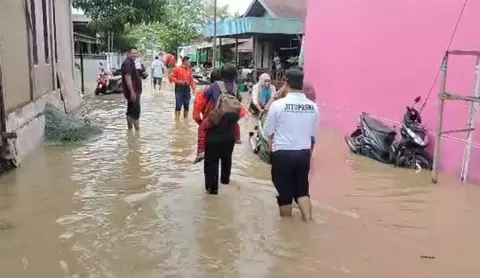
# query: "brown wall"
15, 51
65, 39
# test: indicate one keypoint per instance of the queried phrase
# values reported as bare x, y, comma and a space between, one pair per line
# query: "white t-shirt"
157, 67
293, 120
278, 62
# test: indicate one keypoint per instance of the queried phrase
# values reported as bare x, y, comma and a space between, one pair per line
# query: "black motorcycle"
376, 140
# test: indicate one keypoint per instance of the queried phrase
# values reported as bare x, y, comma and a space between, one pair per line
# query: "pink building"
377, 56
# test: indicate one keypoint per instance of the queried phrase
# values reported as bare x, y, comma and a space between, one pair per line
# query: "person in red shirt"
219, 139
201, 110
184, 86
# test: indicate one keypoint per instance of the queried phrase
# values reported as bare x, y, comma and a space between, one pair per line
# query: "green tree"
115, 15
182, 24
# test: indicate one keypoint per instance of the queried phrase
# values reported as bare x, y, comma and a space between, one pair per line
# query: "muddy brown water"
126, 205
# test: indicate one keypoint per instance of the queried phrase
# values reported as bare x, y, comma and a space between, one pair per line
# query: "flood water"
126, 205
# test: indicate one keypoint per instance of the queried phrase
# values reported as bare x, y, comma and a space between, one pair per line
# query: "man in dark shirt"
132, 88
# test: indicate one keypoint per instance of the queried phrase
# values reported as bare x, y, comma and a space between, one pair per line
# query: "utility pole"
214, 48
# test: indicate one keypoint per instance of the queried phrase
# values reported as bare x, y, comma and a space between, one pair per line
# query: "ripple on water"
133, 205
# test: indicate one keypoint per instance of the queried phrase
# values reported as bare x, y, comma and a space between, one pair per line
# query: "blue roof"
256, 25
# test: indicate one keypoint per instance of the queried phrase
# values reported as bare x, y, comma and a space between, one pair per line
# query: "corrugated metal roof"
224, 41
80, 18
84, 38
256, 25
281, 8
286, 8
245, 46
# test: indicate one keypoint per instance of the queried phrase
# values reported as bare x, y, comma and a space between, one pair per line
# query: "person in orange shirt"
184, 86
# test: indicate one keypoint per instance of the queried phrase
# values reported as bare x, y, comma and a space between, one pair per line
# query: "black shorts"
133, 109
157, 81
290, 171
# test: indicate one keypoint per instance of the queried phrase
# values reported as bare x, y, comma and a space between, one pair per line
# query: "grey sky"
235, 5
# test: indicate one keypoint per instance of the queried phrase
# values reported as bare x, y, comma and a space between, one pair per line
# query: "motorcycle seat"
377, 125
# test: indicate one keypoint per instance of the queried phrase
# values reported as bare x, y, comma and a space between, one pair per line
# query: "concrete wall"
13, 54
91, 69
377, 56
24, 103
91, 65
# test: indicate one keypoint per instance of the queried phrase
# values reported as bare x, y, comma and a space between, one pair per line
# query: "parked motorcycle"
201, 79
109, 83
376, 140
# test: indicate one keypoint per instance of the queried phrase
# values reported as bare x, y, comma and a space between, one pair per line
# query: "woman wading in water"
220, 138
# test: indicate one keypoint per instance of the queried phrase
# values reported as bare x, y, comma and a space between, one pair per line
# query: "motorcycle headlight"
417, 138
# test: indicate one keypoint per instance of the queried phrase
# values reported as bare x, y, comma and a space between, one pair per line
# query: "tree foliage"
183, 23
168, 23
114, 15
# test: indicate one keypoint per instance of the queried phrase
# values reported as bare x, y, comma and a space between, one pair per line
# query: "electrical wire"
448, 48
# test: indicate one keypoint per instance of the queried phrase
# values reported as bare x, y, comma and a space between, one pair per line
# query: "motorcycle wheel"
418, 163
97, 91
350, 144
256, 144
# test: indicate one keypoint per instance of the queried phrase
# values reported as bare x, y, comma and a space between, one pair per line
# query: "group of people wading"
291, 124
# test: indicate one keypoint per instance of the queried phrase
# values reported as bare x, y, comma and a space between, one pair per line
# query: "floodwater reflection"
133, 205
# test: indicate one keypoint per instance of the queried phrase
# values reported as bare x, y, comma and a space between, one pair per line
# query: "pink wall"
378, 55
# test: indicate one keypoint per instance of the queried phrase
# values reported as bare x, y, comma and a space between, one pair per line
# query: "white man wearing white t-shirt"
293, 122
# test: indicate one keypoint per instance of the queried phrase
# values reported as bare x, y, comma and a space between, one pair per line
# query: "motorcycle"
259, 141
109, 83
201, 79
376, 140
102, 81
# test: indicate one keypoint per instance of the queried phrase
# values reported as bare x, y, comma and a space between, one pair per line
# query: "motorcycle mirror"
101, 64
417, 99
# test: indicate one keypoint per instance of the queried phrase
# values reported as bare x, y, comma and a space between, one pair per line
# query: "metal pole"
214, 48
82, 73
236, 52
3, 116
254, 55
220, 50
438, 137
471, 123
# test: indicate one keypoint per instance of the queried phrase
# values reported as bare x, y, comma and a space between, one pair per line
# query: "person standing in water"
262, 92
220, 139
291, 122
132, 88
158, 70
184, 86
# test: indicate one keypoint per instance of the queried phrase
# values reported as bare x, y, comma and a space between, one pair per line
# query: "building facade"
37, 66
376, 56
